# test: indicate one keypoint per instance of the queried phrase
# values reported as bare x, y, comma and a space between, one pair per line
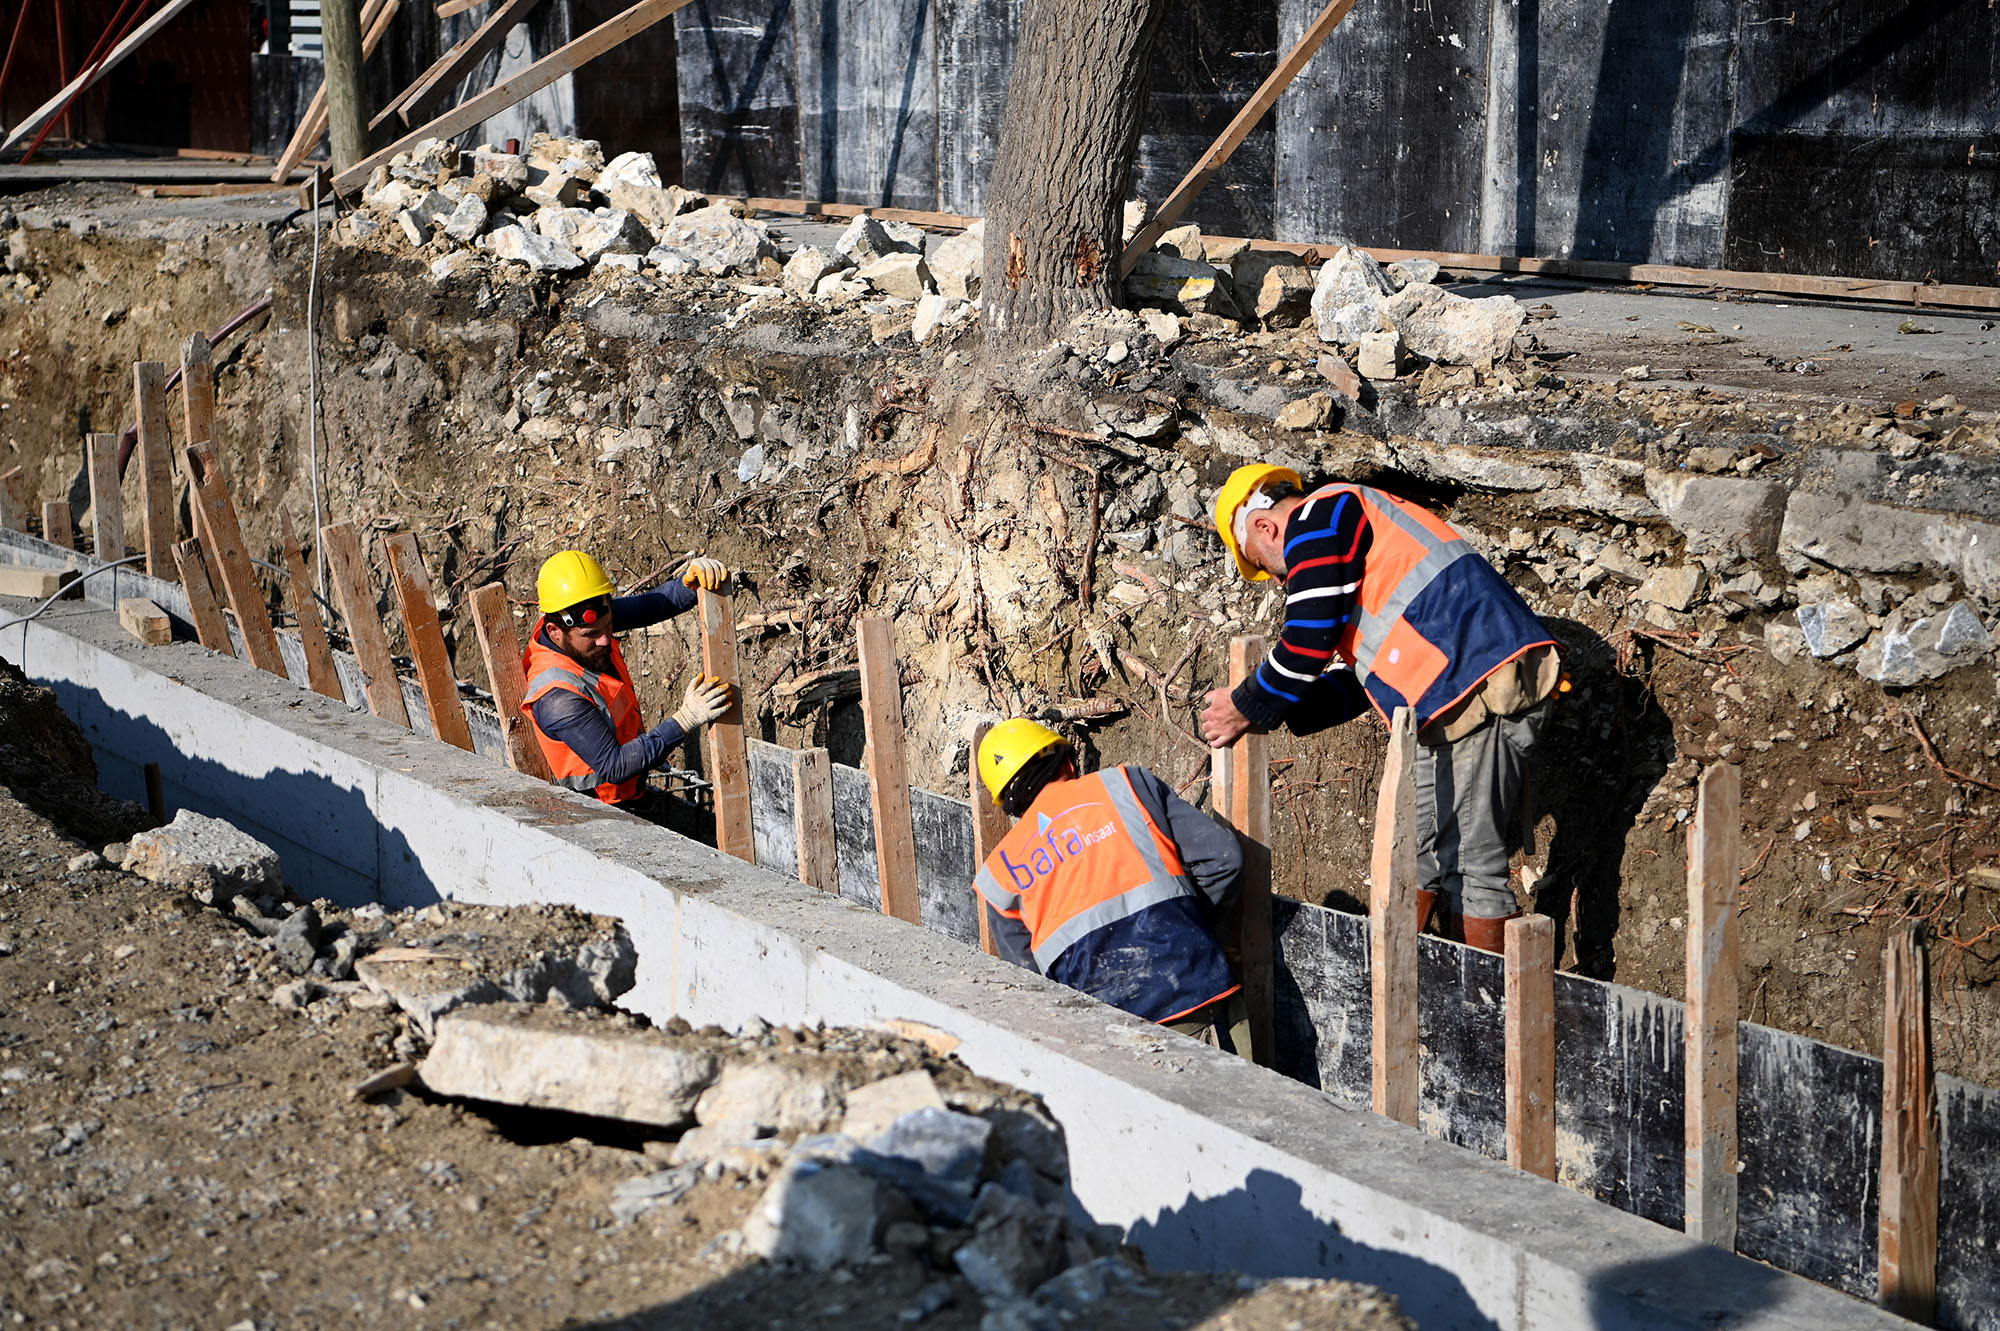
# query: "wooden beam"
449, 69
29, 584
449, 8
56, 527
156, 466
50, 109
1907, 1236
420, 623
211, 630
990, 823
145, 621
888, 771
563, 60
1250, 814
812, 819
223, 542
1531, 1044
723, 746
1392, 927
347, 571
321, 675
500, 648
375, 18
107, 505
13, 510
340, 28
1713, 869
197, 406
1234, 133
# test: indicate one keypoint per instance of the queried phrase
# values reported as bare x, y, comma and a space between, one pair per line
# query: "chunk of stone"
467, 220
874, 1108
867, 239
553, 152
822, 1215
413, 230
805, 269
633, 168
1008, 1259
512, 957
938, 1155
650, 1192
1622, 565
1274, 287
1349, 299
1677, 587
1380, 355
933, 312
901, 274
783, 1097
538, 252
1409, 272
732, 1151
958, 265
1909, 651
298, 940
1182, 240
1134, 218
1315, 411
653, 205
715, 240
1187, 286
1784, 641
1448, 328
557, 189
590, 234
1165, 327
208, 857
456, 264
535, 1056
1733, 514
1081, 1287
508, 171
428, 162
392, 197
1831, 627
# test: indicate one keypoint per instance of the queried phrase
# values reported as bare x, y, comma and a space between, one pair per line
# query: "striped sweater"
1300, 683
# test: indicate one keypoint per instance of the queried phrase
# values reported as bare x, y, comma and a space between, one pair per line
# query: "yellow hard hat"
570, 577
1242, 483
1009, 747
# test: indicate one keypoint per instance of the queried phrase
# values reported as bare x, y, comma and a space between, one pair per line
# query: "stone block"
467, 220
874, 1108
1315, 411
867, 239
634, 168
1831, 627
508, 171
806, 269
958, 265
1184, 240
1008, 1259
653, 205
208, 857
823, 1215
901, 274
521, 245
1448, 328
1722, 514
1349, 298
1409, 272
1678, 587
1380, 355
785, 1097
715, 240
553, 153
1909, 650
1185, 286
557, 189
1622, 565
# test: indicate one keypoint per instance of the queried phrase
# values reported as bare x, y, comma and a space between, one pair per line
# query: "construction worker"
1386, 604
1108, 883
580, 695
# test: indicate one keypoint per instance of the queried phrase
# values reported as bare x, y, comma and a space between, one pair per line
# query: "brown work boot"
1488, 935
1426, 903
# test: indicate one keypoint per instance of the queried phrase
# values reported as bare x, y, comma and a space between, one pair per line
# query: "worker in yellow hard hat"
1389, 606
1110, 884
580, 695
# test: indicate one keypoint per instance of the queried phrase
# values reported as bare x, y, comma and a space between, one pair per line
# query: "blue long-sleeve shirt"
1300, 683
574, 720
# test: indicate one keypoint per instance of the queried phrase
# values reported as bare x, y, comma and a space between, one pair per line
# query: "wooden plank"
13, 510
56, 528
347, 571
1392, 927
420, 622
156, 467
500, 648
145, 621
30, 584
1250, 814
375, 19
1907, 1235
1531, 1044
107, 505
990, 824
1710, 1063
563, 60
197, 406
812, 819
448, 8
1234, 133
211, 630
449, 69
321, 675
728, 760
223, 544
50, 109
888, 770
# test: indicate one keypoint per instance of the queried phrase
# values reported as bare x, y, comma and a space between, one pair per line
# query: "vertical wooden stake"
1713, 869
812, 819
1392, 926
156, 793
500, 647
107, 506
197, 408
56, 529
156, 468
321, 675
1531, 1044
13, 510
347, 571
224, 541
211, 630
888, 771
1907, 1235
989, 824
426, 634
728, 760
1249, 812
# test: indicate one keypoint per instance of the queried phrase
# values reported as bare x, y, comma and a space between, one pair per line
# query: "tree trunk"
1055, 203
340, 45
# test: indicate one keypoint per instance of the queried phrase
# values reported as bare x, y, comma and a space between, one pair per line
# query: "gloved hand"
707, 698
707, 574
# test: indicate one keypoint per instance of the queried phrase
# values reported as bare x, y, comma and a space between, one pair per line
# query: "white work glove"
707, 574
707, 698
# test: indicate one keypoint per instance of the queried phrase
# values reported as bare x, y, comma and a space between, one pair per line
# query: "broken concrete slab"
520, 245
1678, 587
1186, 286
1717, 513
806, 269
207, 857
1349, 299
715, 240
1445, 327
823, 1215
1831, 627
562, 957
901, 274
528, 1054
959, 264
1908, 650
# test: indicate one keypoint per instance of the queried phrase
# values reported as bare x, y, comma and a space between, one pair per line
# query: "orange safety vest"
612, 694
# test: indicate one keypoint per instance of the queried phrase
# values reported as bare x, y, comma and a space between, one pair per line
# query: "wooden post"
426, 634
1907, 1235
13, 512
500, 647
375, 18
1250, 814
728, 760
812, 819
1531, 1044
56, 528
156, 793
888, 771
989, 824
1713, 869
340, 47
156, 467
223, 540
197, 407
211, 630
107, 506
1392, 927
321, 675
347, 571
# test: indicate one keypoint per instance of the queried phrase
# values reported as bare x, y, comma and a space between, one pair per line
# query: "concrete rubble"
205, 857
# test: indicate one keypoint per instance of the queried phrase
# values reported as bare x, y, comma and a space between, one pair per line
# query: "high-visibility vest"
612, 694
1434, 617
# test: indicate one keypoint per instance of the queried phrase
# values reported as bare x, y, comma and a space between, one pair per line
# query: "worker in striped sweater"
1389, 606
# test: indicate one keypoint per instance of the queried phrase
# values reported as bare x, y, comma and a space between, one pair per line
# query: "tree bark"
340, 46
1055, 203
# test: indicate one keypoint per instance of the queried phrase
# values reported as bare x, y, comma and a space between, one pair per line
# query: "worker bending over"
1386, 604
1109, 883
580, 695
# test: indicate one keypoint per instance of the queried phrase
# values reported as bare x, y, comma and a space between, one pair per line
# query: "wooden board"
1250, 814
812, 819
107, 506
448, 8
1531, 1044
197, 408
500, 648
451, 68
1392, 928
420, 622
211, 630
50, 109
888, 771
990, 824
56, 527
32, 584
321, 675
1711, 1059
347, 571
722, 746
375, 18
156, 467
222, 542
13, 512
145, 621
1908, 1237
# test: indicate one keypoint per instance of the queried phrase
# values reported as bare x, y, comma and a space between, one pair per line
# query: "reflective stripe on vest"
1372, 628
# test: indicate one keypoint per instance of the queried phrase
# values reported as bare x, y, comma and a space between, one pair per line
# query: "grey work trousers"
1468, 803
